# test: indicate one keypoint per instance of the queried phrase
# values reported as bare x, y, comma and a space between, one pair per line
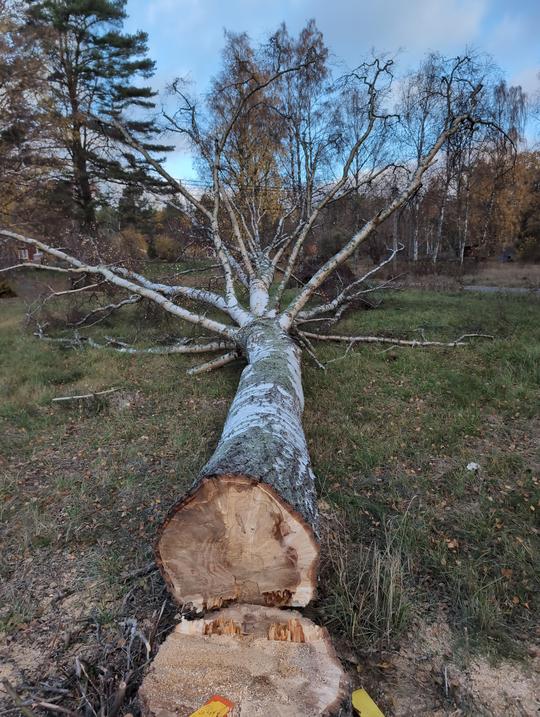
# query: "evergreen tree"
92, 67
134, 210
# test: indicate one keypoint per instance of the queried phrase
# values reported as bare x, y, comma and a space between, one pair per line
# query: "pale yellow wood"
266, 661
236, 540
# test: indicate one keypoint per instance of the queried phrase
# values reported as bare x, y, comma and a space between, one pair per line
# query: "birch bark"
247, 529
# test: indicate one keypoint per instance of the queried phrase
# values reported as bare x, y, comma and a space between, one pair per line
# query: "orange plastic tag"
215, 707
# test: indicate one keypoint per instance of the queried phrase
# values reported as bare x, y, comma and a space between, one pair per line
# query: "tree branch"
174, 183
189, 292
216, 363
238, 235
230, 295
395, 342
84, 396
184, 347
114, 278
336, 188
345, 295
340, 257
108, 308
30, 265
181, 346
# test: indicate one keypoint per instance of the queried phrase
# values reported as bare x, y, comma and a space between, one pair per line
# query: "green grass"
390, 434
393, 431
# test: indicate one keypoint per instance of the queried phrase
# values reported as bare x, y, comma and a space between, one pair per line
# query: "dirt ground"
490, 272
510, 274
428, 677
424, 677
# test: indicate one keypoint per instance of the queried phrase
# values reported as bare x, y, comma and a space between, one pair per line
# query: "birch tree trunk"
440, 226
465, 232
246, 531
395, 243
415, 233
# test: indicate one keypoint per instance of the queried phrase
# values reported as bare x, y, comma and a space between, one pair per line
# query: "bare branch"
238, 235
174, 183
231, 299
308, 347
181, 347
76, 291
333, 263
114, 278
109, 308
340, 184
257, 88
189, 292
219, 246
346, 295
238, 270
84, 395
216, 363
30, 265
395, 342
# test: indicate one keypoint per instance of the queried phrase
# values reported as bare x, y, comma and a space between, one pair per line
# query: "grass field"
409, 531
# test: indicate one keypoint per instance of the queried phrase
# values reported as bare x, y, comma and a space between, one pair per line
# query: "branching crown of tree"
319, 139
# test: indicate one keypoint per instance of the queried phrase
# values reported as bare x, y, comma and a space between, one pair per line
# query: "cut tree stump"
266, 661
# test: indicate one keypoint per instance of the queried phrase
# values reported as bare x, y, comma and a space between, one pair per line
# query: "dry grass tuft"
364, 593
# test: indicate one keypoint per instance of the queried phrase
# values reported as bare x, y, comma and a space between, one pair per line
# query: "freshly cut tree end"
236, 540
265, 660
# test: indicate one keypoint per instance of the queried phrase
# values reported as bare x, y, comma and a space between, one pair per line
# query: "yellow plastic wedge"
364, 705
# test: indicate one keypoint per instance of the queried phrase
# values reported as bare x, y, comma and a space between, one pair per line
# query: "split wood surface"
265, 660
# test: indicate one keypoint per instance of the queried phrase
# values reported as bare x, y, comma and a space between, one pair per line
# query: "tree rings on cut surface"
236, 540
265, 660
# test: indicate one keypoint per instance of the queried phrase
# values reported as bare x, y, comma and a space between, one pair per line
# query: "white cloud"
529, 80
351, 28
189, 33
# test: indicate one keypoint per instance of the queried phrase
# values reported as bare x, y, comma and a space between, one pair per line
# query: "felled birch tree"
247, 530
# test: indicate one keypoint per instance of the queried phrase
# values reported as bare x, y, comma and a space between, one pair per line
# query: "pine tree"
92, 69
134, 210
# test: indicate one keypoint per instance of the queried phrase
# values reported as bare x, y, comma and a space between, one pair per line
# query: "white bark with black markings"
256, 495
263, 435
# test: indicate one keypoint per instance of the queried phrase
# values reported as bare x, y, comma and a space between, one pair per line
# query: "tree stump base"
266, 661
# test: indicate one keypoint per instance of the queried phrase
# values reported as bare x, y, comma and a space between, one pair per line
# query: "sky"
186, 36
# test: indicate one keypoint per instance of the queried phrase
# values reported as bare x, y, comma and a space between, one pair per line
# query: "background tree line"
70, 76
